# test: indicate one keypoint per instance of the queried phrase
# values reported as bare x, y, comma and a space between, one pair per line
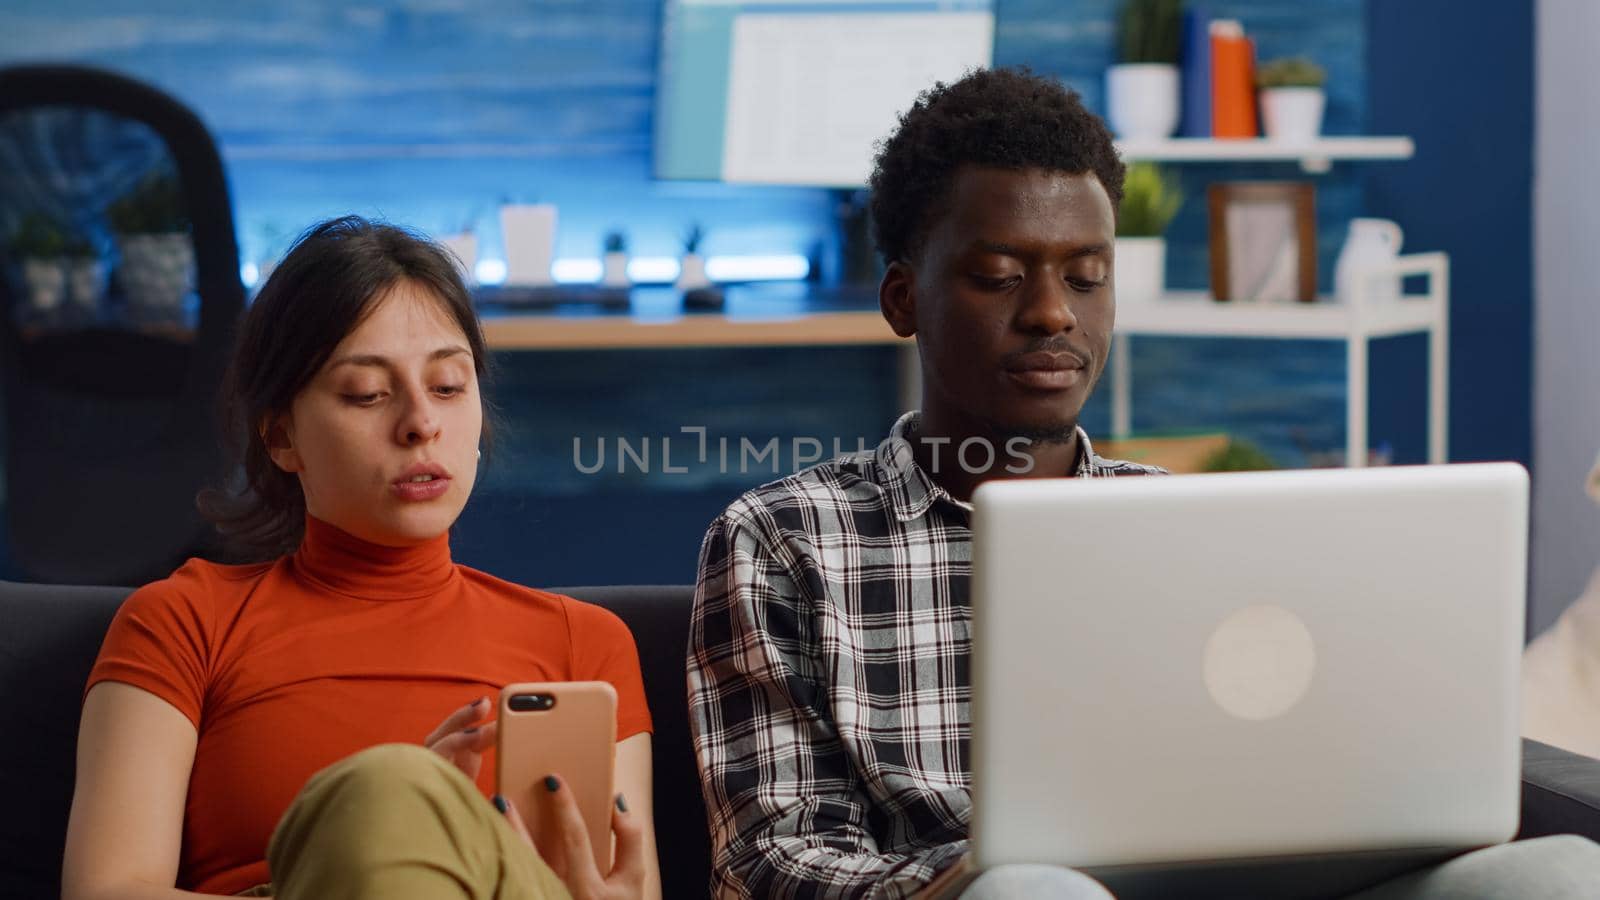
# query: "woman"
221, 690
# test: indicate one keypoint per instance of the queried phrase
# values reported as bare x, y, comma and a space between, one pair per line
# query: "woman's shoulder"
200, 582
197, 590
165, 636
510, 590
585, 619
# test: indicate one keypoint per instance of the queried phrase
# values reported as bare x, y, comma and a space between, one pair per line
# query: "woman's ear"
897, 298
277, 433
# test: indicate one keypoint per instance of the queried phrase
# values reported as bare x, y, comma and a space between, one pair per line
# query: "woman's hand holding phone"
566, 846
463, 736
571, 856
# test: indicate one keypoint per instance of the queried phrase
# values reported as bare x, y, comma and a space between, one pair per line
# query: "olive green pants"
397, 822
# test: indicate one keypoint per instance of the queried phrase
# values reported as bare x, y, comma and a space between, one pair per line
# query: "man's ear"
277, 433
897, 298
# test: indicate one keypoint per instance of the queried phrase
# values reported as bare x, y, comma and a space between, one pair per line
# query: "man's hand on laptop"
951, 882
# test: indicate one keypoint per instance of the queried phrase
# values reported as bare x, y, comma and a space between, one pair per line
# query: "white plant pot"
86, 282
47, 282
1141, 269
1142, 100
157, 271
692, 273
614, 270
1293, 114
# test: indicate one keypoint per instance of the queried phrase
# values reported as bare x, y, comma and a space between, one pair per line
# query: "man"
829, 658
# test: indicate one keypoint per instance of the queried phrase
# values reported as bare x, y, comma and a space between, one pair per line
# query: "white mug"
1370, 243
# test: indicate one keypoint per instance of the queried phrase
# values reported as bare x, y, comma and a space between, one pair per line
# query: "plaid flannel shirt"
829, 677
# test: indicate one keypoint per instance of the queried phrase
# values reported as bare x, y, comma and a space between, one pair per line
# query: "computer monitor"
798, 93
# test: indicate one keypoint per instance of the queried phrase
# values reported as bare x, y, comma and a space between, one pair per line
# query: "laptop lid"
1247, 665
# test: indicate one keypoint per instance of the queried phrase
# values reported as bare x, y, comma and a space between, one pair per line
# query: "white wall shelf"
1195, 314
1316, 157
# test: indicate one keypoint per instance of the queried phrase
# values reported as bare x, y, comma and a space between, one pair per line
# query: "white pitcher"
1371, 243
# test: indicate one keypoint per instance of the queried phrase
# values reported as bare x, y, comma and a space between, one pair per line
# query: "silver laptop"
1181, 682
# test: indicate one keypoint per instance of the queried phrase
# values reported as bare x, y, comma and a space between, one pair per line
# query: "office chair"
110, 416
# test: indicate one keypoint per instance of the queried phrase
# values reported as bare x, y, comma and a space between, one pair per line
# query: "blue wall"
1462, 85
433, 112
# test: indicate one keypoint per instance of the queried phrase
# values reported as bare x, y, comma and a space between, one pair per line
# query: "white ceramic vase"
46, 280
692, 273
1142, 100
1141, 269
1293, 114
614, 270
86, 282
529, 234
157, 272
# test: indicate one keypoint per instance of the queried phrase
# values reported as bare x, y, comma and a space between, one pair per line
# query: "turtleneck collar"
341, 562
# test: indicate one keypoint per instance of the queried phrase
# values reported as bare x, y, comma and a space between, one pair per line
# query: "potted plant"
1150, 198
39, 245
1292, 99
614, 264
1142, 89
692, 268
86, 273
151, 223
1239, 456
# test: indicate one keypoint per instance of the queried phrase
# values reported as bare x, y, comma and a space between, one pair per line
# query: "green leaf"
1150, 199
1296, 71
153, 206
1149, 31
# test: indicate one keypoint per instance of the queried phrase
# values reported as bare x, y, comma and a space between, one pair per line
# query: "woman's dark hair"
321, 291
994, 118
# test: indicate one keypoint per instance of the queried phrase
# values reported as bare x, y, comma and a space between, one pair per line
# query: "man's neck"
937, 443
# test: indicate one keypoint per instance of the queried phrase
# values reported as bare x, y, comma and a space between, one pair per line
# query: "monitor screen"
787, 92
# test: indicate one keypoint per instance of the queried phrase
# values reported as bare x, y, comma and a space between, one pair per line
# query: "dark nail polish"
474, 704
551, 784
499, 803
622, 805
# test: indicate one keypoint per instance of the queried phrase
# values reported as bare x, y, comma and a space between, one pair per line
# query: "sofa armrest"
1560, 792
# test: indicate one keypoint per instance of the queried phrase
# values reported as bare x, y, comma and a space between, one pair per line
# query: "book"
1233, 81
1195, 121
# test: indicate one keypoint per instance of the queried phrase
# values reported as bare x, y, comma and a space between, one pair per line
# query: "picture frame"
1263, 237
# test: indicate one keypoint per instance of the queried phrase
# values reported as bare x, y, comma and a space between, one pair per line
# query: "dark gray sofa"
49, 636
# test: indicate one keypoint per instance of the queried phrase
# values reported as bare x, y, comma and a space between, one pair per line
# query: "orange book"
1233, 81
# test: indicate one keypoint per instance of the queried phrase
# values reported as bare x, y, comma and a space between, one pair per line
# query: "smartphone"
567, 729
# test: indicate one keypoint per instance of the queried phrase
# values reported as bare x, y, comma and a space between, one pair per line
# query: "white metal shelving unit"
1314, 156
1195, 314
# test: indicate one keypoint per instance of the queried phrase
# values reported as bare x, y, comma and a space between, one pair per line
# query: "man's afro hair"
996, 118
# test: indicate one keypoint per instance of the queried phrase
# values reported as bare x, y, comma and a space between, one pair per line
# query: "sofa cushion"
50, 635
659, 619
1560, 792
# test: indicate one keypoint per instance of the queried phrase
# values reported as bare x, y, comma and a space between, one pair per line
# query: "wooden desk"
557, 332
783, 315
751, 319
778, 315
